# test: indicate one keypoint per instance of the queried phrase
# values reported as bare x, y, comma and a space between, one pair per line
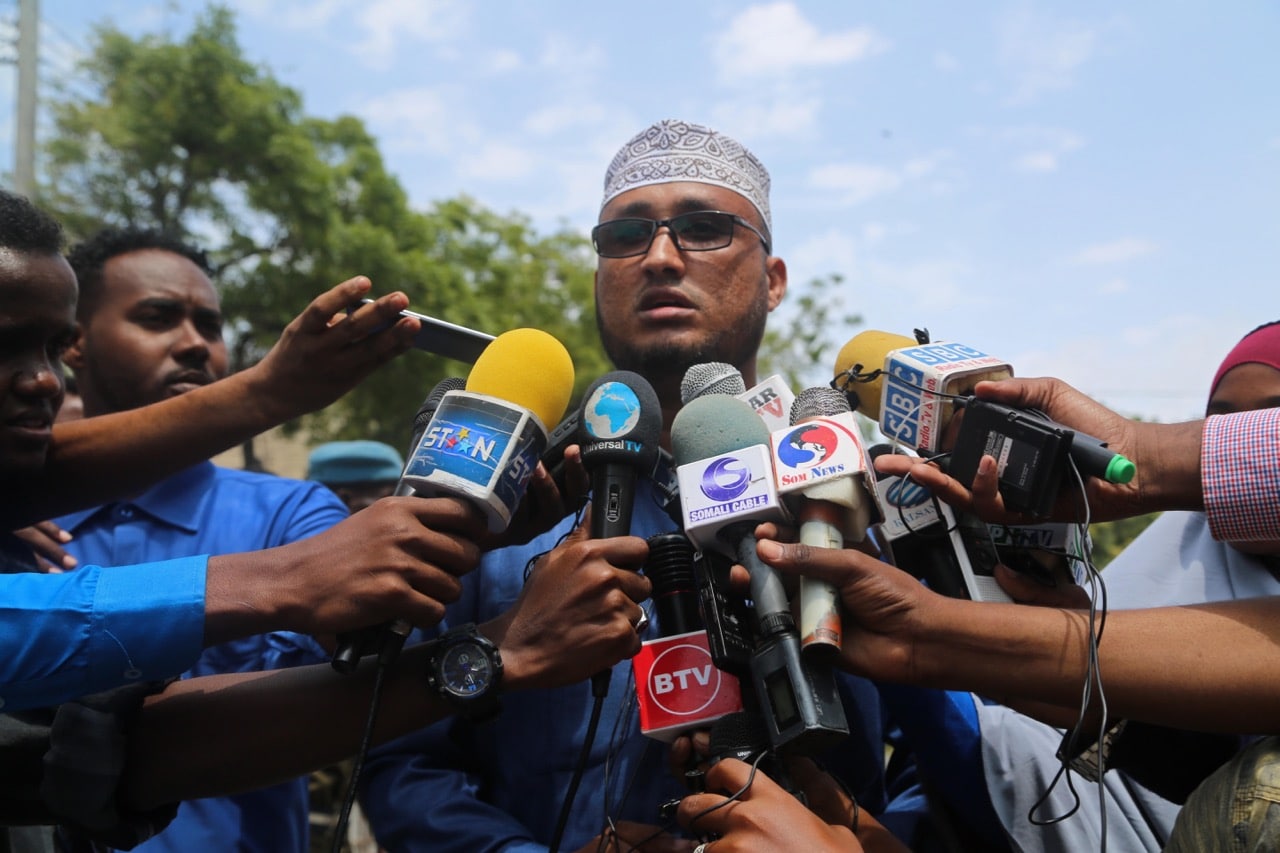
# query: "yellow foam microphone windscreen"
861, 358
529, 368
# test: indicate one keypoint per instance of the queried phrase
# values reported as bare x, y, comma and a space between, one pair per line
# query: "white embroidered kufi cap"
672, 150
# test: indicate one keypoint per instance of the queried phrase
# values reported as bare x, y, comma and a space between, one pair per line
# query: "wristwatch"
464, 668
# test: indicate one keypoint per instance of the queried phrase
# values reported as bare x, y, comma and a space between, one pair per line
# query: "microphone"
913, 390
422, 418
678, 685
477, 446
620, 426
823, 479
483, 443
727, 487
712, 377
923, 536
772, 401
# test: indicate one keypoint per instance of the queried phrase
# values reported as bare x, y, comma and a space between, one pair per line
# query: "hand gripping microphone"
727, 487
913, 389
823, 478
420, 420
483, 443
387, 639
620, 423
480, 444
951, 552
678, 685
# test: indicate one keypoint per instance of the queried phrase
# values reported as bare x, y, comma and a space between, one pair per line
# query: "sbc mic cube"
912, 409
480, 448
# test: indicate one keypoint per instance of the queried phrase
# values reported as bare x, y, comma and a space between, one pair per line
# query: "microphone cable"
392, 643
1093, 681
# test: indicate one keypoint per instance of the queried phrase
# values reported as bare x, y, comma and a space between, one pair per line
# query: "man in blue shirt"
687, 276
115, 762
65, 636
150, 327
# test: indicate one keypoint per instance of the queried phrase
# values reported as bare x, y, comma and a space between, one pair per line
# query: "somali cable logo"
726, 479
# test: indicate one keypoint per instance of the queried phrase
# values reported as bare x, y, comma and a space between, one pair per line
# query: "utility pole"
24, 154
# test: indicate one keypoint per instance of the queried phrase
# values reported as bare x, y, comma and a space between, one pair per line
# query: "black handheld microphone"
620, 422
675, 589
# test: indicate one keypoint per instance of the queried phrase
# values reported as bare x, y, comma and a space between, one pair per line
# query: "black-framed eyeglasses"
696, 231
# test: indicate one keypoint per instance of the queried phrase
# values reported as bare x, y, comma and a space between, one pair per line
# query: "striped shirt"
1240, 471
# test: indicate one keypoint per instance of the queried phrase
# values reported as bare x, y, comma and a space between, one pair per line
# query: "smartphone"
446, 339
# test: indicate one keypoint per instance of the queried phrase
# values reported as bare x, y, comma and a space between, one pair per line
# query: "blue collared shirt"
461, 786
213, 510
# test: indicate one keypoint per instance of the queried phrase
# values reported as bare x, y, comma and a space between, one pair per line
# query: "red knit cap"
1261, 346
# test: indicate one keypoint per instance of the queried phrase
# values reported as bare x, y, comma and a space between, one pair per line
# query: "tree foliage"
191, 137
802, 348
187, 135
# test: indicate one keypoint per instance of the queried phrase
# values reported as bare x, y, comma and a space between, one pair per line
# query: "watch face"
465, 670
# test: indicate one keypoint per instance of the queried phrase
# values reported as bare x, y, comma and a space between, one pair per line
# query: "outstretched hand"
1166, 456
325, 352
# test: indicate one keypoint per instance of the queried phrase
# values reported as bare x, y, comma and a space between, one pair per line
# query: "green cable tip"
1120, 470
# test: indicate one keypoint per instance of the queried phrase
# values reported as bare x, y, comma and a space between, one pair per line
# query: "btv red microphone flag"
678, 688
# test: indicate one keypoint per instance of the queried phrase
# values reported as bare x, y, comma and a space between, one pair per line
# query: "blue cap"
354, 462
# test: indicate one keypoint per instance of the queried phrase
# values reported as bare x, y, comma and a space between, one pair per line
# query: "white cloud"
776, 39
502, 61
945, 62
854, 183
1114, 287
389, 23
1115, 252
1042, 54
419, 120
496, 161
1039, 161
777, 114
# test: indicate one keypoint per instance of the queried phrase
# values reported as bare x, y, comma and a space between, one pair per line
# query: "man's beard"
670, 359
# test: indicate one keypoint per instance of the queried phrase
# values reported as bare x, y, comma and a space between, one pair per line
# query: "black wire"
567, 806
340, 829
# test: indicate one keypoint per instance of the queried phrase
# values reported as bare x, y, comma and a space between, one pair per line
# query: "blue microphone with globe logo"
619, 427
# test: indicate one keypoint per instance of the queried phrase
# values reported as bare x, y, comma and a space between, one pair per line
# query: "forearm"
1207, 667
226, 733
1169, 460
96, 459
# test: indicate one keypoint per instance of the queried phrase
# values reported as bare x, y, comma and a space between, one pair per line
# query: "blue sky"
1088, 190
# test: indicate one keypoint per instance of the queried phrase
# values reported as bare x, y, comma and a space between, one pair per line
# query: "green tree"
189, 136
1112, 537
801, 349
